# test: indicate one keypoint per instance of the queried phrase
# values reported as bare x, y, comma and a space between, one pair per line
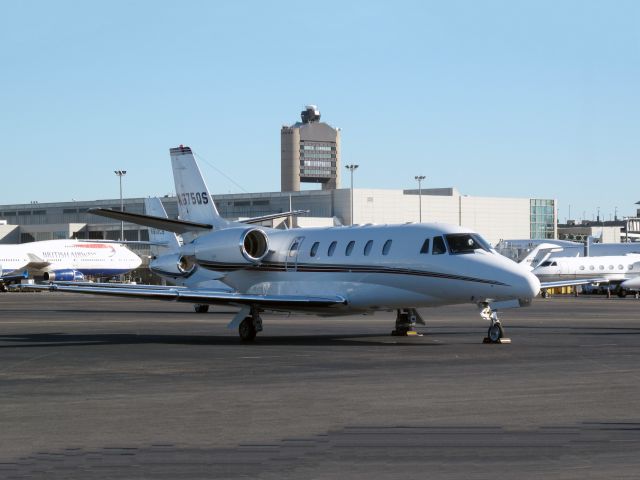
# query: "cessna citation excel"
323, 271
66, 260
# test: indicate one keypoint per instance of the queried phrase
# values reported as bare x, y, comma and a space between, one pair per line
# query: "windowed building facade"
309, 153
495, 218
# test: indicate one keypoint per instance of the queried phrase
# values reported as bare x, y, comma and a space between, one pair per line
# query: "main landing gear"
406, 321
248, 322
495, 334
200, 308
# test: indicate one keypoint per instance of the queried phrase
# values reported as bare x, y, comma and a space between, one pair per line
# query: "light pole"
351, 168
419, 178
120, 174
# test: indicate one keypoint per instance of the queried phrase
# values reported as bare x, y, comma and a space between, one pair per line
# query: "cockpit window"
549, 263
466, 243
438, 246
425, 246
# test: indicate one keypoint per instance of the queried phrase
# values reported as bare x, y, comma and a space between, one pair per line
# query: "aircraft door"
291, 262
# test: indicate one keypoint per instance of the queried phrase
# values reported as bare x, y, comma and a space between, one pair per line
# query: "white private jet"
324, 271
66, 260
622, 272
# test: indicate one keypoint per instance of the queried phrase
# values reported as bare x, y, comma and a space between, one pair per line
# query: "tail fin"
169, 240
539, 255
194, 200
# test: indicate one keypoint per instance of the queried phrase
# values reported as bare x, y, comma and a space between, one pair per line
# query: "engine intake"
174, 265
232, 246
255, 245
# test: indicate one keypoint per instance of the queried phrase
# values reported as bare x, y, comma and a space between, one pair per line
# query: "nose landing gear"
495, 334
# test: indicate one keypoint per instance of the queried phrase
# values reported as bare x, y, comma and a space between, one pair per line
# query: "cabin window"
438, 246
314, 249
601, 267
620, 267
630, 267
466, 243
591, 267
425, 246
610, 267
581, 267
294, 249
368, 247
332, 248
349, 249
386, 247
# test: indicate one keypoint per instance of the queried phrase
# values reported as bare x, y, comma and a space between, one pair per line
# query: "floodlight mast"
351, 168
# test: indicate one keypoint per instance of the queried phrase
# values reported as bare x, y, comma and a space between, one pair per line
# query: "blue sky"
498, 98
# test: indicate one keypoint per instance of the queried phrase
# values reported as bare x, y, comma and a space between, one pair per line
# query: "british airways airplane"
66, 260
324, 271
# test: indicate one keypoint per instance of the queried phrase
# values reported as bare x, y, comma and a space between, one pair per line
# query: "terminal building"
494, 217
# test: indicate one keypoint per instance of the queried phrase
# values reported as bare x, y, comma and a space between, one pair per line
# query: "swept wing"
574, 282
199, 296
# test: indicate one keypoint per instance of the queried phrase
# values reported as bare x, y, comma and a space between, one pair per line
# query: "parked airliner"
67, 260
325, 271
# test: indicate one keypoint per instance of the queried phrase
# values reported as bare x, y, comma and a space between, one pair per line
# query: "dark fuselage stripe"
281, 267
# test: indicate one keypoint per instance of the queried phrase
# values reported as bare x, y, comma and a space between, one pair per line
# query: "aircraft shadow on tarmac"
93, 312
36, 340
431, 338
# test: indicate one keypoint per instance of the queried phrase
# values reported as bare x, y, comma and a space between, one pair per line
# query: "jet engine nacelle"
64, 276
631, 284
174, 264
232, 246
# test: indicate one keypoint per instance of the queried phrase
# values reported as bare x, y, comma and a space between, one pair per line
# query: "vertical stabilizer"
539, 255
164, 241
194, 200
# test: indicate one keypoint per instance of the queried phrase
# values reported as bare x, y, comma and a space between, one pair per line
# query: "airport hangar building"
495, 218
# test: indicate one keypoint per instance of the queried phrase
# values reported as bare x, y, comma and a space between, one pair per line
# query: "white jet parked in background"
622, 272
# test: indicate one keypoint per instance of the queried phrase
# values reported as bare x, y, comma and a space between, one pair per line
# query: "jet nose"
528, 286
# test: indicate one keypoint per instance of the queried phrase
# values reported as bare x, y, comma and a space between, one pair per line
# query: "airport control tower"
309, 152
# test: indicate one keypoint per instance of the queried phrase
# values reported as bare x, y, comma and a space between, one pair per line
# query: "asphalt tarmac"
95, 387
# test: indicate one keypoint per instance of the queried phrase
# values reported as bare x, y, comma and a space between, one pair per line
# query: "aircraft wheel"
198, 308
622, 293
247, 330
495, 333
544, 294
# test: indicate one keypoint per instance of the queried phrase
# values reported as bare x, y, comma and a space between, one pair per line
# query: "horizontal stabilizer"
273, 216
177, 226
